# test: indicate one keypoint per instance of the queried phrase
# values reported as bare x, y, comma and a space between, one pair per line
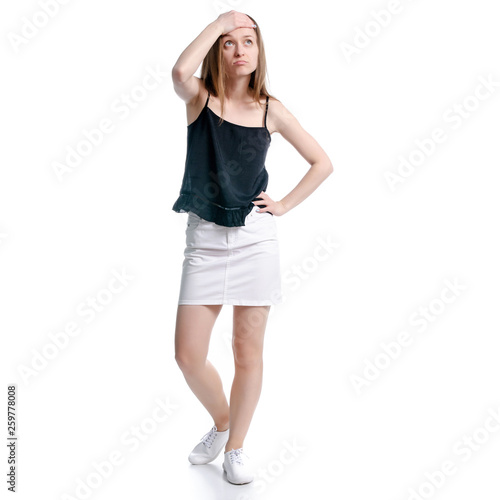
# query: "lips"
238, 63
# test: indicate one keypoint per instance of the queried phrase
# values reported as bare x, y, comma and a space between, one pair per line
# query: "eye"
229, 41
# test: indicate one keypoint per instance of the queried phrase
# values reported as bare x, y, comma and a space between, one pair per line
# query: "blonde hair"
212, 71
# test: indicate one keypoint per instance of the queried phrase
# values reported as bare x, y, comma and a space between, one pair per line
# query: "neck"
237, 89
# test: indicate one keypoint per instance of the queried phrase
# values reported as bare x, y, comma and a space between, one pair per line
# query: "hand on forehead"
241, 32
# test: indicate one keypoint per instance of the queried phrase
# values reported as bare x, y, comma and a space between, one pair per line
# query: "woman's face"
240, 45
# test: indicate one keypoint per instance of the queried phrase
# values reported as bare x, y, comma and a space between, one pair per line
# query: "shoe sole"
225, 471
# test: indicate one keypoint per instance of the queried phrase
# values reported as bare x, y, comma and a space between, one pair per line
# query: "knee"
246, 356
187, 362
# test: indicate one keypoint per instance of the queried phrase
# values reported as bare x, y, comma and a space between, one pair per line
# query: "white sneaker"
209, 447
236, 467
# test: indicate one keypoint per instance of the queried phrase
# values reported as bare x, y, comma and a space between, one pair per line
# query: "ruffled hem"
229, 217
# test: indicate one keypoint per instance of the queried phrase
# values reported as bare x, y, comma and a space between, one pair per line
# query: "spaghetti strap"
210, 148
265, 116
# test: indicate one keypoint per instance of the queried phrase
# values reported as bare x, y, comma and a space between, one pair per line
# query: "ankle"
221, 427
232, 446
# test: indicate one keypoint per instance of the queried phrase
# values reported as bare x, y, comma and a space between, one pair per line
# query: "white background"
394, 252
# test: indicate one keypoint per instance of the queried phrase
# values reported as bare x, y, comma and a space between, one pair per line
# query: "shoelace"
209, 437
237, 456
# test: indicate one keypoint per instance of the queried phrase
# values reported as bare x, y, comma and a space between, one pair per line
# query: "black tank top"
224, 169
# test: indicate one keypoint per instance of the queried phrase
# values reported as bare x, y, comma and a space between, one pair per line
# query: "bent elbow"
328, 169
177, 75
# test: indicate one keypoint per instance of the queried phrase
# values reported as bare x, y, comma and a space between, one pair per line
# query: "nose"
239, 49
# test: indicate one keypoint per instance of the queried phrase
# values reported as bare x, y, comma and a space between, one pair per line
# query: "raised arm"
186, 85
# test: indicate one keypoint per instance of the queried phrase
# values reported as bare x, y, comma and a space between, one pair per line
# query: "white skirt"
231, 265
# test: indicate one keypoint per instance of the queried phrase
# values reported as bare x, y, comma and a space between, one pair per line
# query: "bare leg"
193, 328
249, 325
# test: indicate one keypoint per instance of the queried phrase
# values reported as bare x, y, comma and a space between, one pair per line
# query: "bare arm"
321, 166
193, 55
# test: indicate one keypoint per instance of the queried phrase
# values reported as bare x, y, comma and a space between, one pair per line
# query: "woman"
232, 253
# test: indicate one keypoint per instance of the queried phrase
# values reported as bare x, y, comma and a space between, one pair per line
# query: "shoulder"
280, 116
292, 131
